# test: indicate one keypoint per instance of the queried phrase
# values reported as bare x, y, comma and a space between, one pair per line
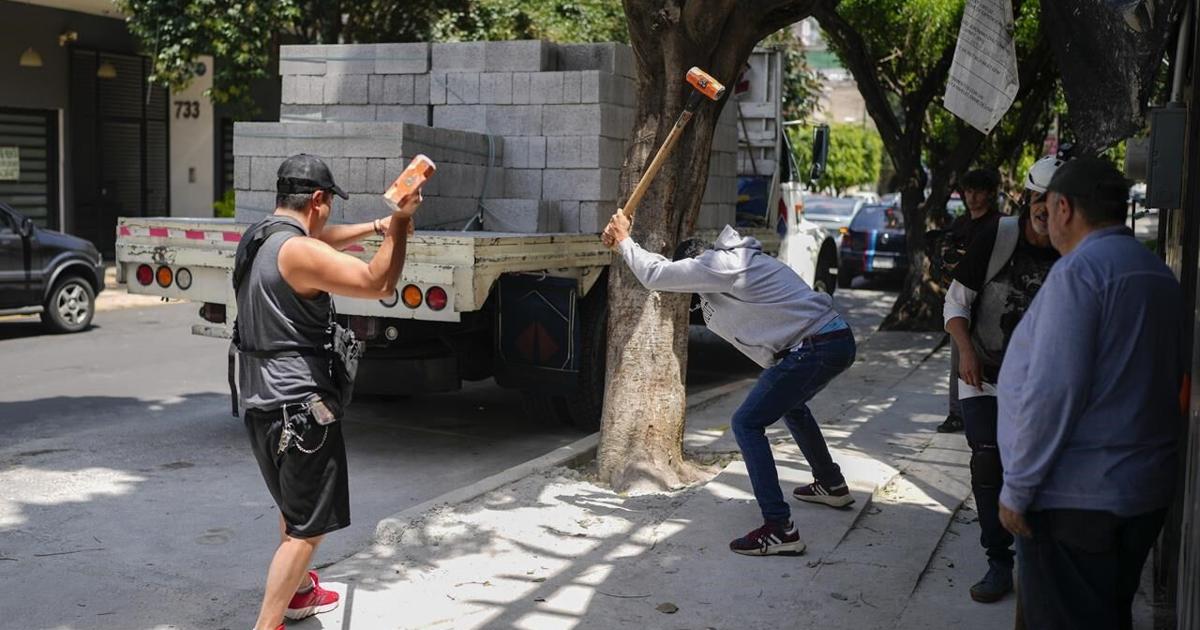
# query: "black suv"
47, 272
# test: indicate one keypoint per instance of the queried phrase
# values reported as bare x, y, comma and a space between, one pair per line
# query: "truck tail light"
164, 276
436, 298
411, 296
145, 275
183, 278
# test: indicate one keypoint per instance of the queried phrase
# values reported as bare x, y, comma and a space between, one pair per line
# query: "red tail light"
145, 275
435, 298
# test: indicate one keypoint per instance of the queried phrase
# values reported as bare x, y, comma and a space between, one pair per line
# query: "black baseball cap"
304, 173
1091, 177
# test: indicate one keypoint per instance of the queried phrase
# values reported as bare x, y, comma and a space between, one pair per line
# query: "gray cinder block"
572, 87
612, 58
463, 117
590, 184
241, 172
263, 173
516, 152
408, 58
462, 88
564, 151
523, 183
594, 215
350, 59
251, 139
520, 215
412, 114
421, 88
375, 84
325, 140
437, 88
568, 216
377, 178
537, 152
458, 56
301, 60
249, 202
526, 55
356, 179
572, 120
346, 89
301, 113
398, 89
349, 113
546, 87
520, 88
513, 120
496, 88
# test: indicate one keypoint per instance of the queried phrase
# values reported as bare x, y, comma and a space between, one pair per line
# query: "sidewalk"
551, 549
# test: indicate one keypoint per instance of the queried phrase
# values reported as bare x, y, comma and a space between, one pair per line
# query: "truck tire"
826, 281
844, 278
70, 306
582, 408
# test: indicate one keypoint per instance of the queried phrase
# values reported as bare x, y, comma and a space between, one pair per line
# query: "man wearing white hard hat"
993, 286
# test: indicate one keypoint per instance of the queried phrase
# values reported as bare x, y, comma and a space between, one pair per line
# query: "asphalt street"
129, 498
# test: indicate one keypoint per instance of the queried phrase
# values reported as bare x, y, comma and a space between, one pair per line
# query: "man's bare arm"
311, 265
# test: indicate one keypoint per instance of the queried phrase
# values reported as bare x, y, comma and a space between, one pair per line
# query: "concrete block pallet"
559, 120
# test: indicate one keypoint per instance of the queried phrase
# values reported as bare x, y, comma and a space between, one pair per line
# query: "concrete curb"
391, 529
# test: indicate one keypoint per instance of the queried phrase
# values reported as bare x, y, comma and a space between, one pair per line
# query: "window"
878, 218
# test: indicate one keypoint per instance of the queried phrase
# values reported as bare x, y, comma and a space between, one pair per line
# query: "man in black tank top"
291, 410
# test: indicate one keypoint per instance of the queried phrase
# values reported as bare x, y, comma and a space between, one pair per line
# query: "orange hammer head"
705, 84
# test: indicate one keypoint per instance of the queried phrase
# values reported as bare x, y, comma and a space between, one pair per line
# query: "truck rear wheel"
582, 408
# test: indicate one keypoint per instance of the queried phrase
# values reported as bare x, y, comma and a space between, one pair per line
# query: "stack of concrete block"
366, 157
563, 114
355, 83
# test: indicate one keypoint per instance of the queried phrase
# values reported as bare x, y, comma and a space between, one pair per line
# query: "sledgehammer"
704, 86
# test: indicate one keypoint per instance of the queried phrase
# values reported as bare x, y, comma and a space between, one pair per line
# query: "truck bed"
466, 264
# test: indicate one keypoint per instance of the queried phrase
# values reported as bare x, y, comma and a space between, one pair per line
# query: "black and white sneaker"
836, 496
769, 540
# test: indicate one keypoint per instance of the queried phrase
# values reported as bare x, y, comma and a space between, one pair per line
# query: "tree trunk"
641, 435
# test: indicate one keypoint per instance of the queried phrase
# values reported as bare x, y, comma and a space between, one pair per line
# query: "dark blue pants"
987, 477
1081, 568
783, 390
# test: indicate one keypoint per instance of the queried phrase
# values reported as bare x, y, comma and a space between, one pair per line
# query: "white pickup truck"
528, 309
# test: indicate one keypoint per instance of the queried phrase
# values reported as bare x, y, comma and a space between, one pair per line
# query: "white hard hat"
1038, 177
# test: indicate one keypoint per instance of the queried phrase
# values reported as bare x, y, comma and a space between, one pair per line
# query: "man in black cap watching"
288, 265
1089, 409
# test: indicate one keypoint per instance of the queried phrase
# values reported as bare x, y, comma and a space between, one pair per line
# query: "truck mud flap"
537, 333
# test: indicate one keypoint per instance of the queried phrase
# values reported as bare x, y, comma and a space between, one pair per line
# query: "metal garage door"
118, 147
29, 163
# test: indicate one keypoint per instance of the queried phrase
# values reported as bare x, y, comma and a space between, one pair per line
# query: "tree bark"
642, 425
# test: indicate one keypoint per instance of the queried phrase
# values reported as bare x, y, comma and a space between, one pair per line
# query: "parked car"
831, 213
50, 273
874, 245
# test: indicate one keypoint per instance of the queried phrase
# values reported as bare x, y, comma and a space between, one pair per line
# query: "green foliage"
855, 156
224, 208
801, 83
555, 20
239, 33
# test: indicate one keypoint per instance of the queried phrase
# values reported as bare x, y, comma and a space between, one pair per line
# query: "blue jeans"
783, 390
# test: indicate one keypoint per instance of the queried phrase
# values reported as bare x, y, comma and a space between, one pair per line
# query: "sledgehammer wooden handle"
704, 86
639, 191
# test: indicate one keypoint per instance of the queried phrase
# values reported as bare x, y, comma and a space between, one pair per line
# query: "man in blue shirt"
1089, 410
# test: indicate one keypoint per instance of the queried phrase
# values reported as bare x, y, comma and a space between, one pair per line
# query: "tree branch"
854, 53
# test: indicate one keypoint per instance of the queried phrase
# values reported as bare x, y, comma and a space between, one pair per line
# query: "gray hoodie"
749, 298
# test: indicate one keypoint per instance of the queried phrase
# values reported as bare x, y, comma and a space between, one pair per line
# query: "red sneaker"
316, 601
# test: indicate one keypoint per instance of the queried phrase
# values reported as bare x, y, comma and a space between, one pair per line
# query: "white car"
832, 213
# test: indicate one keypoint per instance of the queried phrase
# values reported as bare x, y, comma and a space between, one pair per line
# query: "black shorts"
312, 489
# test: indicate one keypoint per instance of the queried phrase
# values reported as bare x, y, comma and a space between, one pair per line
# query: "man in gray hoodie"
771, 315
